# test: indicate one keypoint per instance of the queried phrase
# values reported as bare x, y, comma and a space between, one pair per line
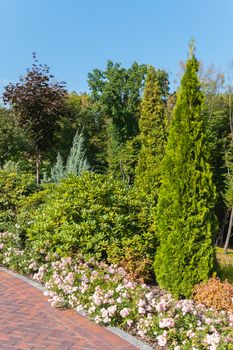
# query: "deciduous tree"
38, 100
117, 94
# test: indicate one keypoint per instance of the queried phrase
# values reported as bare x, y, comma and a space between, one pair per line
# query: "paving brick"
24, 346
28, 322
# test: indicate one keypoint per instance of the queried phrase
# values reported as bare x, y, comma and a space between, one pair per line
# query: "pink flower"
231, 319
141, 303
187, 306
124, 312
119, 288
149, 296
141, 333
129, 323
111, 310
213, 340
104, 312
119, 300
166, 323
130, 285
208, 320
162, 339
229, 340
190, 334
141, 310
33, 266
161, 306
96, 299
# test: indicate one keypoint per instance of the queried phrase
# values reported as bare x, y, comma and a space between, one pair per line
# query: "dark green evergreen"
185, 222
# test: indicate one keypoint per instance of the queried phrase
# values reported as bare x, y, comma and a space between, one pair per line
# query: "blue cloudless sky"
75, 36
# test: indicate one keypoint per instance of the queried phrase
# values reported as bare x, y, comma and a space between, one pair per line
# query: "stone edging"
119, 332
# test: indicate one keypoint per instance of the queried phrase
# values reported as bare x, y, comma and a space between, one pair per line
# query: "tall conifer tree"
152, 125
185, 220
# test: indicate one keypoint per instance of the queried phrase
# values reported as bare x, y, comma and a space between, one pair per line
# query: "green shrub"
15, 185
92, 214
12, 253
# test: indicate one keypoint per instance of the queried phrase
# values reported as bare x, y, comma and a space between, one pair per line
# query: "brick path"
28, 322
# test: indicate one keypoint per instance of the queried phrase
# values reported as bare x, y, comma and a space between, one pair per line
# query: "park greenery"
120, 200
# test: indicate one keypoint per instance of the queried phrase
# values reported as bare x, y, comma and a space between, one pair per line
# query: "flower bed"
107, 295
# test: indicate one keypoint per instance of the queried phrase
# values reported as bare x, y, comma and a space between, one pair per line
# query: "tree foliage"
38, 100
13, 139
153, 132
217, 129
82, 114
116, 92
185, 221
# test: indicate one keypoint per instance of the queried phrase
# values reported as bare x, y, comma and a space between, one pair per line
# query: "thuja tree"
38, 101
185, 221
152, 125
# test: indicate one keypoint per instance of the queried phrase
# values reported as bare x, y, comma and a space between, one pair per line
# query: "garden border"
119, 332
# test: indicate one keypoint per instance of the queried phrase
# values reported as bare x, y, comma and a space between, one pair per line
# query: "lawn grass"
226, 264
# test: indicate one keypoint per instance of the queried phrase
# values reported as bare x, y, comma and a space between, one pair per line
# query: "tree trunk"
231, 217
38, 163
228, 232
219, 239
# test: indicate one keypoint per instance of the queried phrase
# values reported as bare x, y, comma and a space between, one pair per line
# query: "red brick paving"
28, 322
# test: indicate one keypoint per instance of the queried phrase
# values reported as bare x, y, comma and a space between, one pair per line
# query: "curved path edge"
96, 337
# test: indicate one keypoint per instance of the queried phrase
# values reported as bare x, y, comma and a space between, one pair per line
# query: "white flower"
141, 303
106, 320
124, 312
96, 298
104, 312
111, 310
141, 333
119, 300
231, 319
213, 340
190, 334
119, 287
161, 306
149, 296
141, 310
91, 309
97, 319
166, 323
162, 339
208, 320
129, 323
